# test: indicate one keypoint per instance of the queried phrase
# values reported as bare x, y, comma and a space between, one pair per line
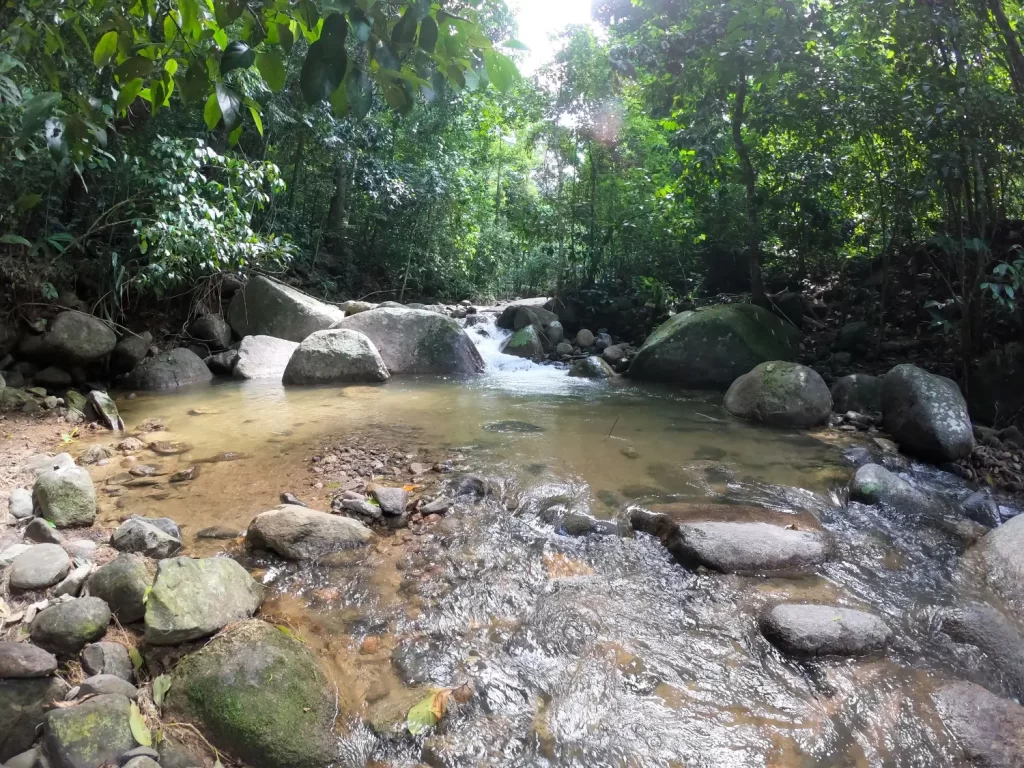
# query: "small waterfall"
489, 338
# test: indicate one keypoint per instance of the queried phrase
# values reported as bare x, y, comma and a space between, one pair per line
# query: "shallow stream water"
594, 650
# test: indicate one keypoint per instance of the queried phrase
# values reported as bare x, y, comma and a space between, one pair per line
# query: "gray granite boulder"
266, 307
780, 394
23, 705
66, 497
335, 357
23, 660
926, 414
122, 584
39, 567
800, 629
78, 338
169, 370
67, 627
94, 733
263, 357
300, 533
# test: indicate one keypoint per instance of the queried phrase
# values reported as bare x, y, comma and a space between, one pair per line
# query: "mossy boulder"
525, 343
78, 338
780, 394
94, 733
260, 695
192, 599
417, 341
23, 705
713, 347
122, 584
66, 628
66, 497
926, 414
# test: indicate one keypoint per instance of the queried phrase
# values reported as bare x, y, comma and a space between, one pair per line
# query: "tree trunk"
757, 294
296, 165
337, 219
1014, 55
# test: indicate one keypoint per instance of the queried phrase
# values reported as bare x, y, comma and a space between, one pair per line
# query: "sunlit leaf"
105, 49
140, 731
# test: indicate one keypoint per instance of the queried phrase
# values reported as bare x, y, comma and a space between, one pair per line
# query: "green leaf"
237, 55
127, 95
501, 70
105, 49
229, 104
361, 24
339, 101
160, 688
256, 118
211, 113
323, 70
272, 68
235, 135
428, 35
360, 94
385, 56
404, 32
284, 33
136, 657
15, 240
194, 85
28, 201
515, 45
139, 728
428, 712
227, 11
131, 68
145, 595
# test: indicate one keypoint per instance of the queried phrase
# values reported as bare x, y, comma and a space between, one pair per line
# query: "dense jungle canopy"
393, 149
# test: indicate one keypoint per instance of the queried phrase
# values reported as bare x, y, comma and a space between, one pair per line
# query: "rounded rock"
780, 394
66, 628
40, 566
801, 629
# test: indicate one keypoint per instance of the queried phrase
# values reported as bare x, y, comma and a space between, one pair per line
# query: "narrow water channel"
593, 650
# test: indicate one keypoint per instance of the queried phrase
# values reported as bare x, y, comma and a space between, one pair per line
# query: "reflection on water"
582, 651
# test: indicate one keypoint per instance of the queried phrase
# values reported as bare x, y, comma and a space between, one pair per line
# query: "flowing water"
594, 650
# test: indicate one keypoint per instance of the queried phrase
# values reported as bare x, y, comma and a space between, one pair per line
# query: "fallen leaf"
428, 712
139, 728
160, 688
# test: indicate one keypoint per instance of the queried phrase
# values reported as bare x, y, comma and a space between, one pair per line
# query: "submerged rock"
1002, 554
859, 393
66, 628
66, 497
123, 584
525, 343
987, 629
94, 733
260, 695
263, 357
300, 533
23, 706
780, 394
78, 338
192, 599
823, 630
177, 368
335, 357
989, 730
874, 484
266, 307
713, 347
40, 566
926, 414
592, 367
416, 341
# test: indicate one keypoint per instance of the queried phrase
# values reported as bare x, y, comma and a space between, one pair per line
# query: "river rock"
859, 393
926, 414
102, 405
41, 463
122, 584
592, 367
982, 508
1002, 554
584, 339
107, 659
415, 341
195, 598
715, 346
66, 497
67, 627
263, 357
356, 307
98, 685
780, 394
78, 339
260, 695
170, 370
986, 628
52, 378
525, 343
10, 550
874, 484
39, 567
23, 705
130, 351
266, 307
801, 629
300, 533
223, 363
392, 500
853, 335
94, 733
19, 504
516, 316
564, 349
335, 357
213, 330
755, 547
39, 531
555, 333
72, 583
148, 537
23, 660
989, 730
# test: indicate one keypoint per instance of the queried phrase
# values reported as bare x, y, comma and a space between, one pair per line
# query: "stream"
593, 650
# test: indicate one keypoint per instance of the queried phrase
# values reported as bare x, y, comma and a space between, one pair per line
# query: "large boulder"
192, 599
340, 356
130, 351
926, 414
94, 733
39, 567
780, 394
123, 584
66, 628
266, 307
23, 706
78, 338
823, 630
714, 347
260, 695
989, 730
212, 330
300, 533
263, 357
859, 393
516, 316
66, 497
177, 368
417, 341
525, 343
1002, 555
